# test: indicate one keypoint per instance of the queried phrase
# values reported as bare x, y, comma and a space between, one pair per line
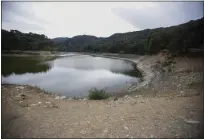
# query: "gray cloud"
20, 10
70, 19
22, 26
163, 14
29, 26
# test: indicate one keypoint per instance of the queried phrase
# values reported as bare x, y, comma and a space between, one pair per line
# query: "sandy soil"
170, 106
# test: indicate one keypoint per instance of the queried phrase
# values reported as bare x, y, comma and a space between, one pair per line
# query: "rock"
178, 85
75, 98
140, 96
48, 102
57, 97
105, 131
151, 136
82, 132
191, 121
60, 97
181, 92
125, 127
134, 102
142, 101
24, 105
39, 102
32, 105
70, 98
50, 105
54, 106
21, 96
126, 96
20, 87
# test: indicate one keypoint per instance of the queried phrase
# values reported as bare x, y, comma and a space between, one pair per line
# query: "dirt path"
161, 111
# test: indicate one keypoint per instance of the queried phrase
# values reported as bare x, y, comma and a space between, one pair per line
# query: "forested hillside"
149, 41
59, 39
16, 40
175, 38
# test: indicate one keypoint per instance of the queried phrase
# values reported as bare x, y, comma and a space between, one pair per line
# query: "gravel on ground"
170, 106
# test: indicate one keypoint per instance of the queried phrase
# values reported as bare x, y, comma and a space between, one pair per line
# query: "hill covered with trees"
16, 40
176, 39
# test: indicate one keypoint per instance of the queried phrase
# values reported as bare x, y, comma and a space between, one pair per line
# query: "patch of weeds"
76, 98
163, 70
141, 79
195, 84
98, 94
24, 105
168, 64
165, 64
169, 69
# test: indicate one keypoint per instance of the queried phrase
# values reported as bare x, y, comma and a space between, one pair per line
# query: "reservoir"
70, 75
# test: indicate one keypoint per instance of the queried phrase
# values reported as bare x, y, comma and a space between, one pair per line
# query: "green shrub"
95, 94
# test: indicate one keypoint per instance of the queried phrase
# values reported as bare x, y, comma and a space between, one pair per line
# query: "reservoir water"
70, 75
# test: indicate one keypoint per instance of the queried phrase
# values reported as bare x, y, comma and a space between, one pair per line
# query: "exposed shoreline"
169, 107
144, 66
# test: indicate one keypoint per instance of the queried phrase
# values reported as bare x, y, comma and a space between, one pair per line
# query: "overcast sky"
102, 19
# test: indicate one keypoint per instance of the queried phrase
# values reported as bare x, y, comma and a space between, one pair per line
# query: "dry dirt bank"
170, 106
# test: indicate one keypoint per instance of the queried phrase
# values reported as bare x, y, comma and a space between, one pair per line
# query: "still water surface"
70, 75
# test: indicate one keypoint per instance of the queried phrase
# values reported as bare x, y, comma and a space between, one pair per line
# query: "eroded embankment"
145, 64
174, 111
